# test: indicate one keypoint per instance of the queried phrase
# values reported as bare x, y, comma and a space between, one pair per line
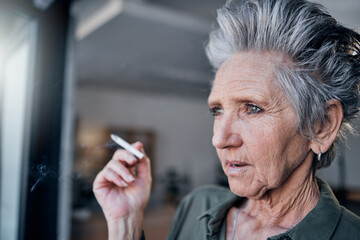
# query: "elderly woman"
285, 90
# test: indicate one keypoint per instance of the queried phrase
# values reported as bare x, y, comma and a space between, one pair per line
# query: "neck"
287, 205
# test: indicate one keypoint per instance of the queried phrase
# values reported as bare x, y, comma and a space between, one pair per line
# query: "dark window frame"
39, 209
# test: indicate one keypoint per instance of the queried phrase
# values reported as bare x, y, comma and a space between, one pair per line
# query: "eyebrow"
212, 102
238, 99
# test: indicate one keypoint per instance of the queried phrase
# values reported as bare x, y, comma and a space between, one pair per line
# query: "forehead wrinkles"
246, 73
256, 62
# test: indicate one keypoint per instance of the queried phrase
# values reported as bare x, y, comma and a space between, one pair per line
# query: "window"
17, 43
33, 49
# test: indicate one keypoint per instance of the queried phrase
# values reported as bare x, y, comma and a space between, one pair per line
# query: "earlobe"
327, 130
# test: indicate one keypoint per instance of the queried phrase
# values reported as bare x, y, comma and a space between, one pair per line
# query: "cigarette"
127, 146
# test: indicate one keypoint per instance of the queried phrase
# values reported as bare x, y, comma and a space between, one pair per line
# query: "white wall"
344, 11
183, 126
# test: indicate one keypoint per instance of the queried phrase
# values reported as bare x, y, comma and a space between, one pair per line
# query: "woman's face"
255, 128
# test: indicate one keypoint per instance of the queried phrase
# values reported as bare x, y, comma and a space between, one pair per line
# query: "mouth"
236, 167
236, 163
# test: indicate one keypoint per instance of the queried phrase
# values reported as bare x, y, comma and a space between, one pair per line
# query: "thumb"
143, 166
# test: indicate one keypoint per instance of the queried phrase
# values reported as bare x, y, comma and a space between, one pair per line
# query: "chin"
243, 189
237, 187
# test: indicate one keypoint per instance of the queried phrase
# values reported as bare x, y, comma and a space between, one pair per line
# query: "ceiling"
153, 46
158, 45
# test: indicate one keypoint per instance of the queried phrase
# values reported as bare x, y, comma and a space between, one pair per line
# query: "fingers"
119, 170
112, 173
112, 176
125, 156
118, 167
143, 167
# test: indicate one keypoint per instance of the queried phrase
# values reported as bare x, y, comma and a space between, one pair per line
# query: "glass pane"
15, 45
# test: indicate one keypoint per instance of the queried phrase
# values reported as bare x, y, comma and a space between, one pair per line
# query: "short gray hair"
325, 55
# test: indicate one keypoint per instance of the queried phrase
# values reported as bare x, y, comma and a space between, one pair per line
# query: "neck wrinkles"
287, 206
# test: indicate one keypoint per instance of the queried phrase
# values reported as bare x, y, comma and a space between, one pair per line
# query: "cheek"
213, 133
266, 146
218, 152
260, 140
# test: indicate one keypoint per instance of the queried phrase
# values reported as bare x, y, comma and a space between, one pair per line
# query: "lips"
236, 163
234, 167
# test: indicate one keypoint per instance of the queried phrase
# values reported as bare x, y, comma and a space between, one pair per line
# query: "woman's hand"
122, 195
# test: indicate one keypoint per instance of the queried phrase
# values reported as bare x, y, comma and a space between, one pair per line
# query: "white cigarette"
127, 146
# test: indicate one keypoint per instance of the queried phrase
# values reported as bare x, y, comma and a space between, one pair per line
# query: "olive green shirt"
202, 214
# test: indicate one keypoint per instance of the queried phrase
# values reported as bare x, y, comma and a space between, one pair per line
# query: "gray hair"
325, 56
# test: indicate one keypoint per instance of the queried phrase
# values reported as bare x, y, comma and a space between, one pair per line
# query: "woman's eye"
216, 111
251, 109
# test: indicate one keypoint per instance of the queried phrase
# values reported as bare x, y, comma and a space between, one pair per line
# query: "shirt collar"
217, 214
319, 223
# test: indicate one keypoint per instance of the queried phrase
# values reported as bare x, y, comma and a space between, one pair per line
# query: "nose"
226, 133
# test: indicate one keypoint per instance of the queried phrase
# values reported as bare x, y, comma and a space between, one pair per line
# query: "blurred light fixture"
95, 19
42, 4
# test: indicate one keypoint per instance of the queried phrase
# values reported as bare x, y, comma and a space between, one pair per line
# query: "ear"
327, 130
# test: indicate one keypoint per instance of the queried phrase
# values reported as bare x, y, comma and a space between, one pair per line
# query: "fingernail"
130, 178
125, 184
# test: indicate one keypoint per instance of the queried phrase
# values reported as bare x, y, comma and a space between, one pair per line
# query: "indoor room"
74, 72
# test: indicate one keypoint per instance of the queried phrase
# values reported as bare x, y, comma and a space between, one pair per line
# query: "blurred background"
73, 72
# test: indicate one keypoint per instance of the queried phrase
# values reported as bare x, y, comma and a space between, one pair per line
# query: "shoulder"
348, 226
349, 223
202, 199
186, 223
